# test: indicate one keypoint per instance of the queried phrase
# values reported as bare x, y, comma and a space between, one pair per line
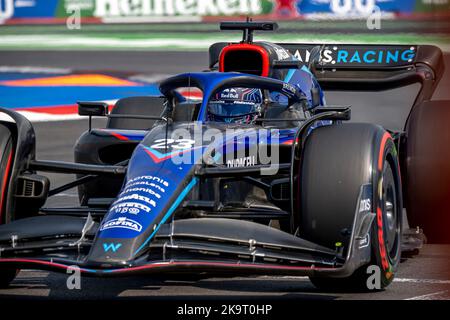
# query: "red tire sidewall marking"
380, 233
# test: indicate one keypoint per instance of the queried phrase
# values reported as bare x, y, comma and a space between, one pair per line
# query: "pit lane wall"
132, 11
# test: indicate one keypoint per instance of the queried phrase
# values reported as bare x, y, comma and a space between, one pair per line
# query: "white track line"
400, 280
430, 281
441, 295
34, 69
44, 117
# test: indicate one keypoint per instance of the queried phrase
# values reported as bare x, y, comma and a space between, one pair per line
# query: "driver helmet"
236, 105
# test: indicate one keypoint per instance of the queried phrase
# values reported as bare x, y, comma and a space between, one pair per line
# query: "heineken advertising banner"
132, 10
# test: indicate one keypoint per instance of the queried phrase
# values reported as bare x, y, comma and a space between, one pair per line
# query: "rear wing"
367, 67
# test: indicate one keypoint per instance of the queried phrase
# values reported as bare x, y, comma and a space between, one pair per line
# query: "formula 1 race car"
165, 189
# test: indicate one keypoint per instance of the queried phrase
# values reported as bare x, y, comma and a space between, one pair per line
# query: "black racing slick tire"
6, 160
337, 161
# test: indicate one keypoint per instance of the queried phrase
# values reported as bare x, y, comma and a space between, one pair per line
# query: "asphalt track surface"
425, 276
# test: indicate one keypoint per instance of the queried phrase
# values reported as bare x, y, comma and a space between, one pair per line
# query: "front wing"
209, 246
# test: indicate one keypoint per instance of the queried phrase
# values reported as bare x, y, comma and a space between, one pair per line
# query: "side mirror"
92, 109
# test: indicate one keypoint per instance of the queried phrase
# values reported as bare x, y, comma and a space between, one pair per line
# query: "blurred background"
192, 24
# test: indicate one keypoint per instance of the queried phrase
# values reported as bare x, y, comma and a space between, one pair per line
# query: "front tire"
337, 161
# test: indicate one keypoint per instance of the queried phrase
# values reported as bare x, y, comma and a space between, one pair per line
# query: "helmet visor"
232, 109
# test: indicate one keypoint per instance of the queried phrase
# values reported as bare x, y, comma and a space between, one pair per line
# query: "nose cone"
112, 253
152, 192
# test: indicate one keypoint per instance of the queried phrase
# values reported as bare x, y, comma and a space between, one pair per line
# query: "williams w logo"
111, 246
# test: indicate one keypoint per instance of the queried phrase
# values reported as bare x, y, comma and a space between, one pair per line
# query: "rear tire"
337, 161
428, 171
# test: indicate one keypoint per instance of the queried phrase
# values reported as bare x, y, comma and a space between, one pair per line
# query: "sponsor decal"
365, 205
149, 178
365, 201
111, 246
363, 243
282, 54
353, 8
364, 209
133, 210
136, 196
84, 7
128, 199
286, 8
242, 162
287, 87
124, 10
129, 207
6, 9
361, 56
117, 8
123, 223
144, 190
229, 94
144, 184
